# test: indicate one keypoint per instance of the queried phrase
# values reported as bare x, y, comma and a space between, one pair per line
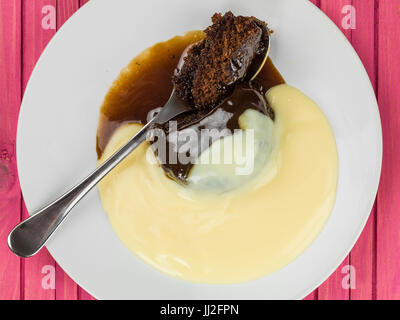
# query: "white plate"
58, 120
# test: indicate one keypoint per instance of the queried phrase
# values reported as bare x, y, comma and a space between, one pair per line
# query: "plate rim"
88, 5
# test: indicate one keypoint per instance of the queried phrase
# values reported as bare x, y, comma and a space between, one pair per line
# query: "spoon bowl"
258, 63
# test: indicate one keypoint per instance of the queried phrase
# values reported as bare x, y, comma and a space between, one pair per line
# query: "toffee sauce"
145, 84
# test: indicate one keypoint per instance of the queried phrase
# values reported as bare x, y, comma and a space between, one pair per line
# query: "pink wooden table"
372, 269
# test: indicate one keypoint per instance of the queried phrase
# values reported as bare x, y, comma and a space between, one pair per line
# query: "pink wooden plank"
83, 2
312, 296
39, 270
66, 288
10, 98
363, 259
388, 217
363, 255
332, 288
83, 295
316, 2
65, 9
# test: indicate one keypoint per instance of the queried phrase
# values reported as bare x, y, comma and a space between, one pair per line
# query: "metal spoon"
28, 237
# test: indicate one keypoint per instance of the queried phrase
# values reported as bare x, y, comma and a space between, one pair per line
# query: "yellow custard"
237, 236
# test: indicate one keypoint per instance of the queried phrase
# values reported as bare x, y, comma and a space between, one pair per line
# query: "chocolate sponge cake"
213, 66
212, 78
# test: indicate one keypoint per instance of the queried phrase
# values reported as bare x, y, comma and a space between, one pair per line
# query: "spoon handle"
28, 237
